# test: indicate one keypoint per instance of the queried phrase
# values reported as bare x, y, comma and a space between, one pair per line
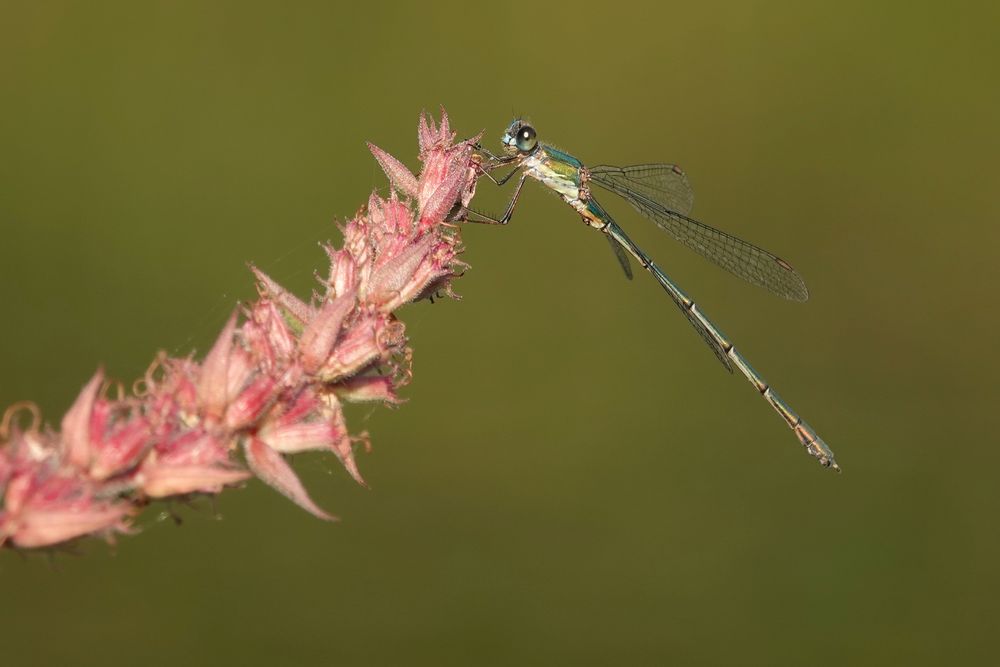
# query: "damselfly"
661, 193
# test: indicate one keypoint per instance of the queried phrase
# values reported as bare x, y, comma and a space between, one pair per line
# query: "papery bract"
320, 335
76, 424
194, 462
399, 176
275, 471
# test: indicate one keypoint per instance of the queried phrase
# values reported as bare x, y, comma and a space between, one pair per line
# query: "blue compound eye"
526, 139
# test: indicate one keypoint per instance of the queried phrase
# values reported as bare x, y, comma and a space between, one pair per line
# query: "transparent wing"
660, 197
622, 258
663, 183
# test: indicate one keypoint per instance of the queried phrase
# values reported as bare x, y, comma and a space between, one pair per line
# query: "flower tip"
445, 128
345, 452
274, 471
399, 176
213, 385
76, 423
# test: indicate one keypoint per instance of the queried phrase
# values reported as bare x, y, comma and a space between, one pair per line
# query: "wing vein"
661, 193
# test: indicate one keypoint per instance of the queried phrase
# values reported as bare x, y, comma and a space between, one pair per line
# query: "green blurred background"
574, 480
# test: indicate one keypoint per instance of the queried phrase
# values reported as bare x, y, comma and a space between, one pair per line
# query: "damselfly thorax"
566, 176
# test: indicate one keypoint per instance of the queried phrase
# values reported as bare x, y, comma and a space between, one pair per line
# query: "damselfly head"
520, 137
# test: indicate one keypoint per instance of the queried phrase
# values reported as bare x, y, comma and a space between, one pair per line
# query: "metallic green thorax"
563, 173
557, 155
555, 170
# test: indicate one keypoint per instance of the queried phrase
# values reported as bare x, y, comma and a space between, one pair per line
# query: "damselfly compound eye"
526, 139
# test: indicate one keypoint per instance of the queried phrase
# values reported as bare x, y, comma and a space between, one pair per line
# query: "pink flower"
45, 503
190, 462
321, 334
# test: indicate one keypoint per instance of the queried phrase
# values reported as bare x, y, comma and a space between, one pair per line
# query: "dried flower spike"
272, 384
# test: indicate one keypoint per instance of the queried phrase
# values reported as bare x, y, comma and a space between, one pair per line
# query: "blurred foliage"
574, 480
